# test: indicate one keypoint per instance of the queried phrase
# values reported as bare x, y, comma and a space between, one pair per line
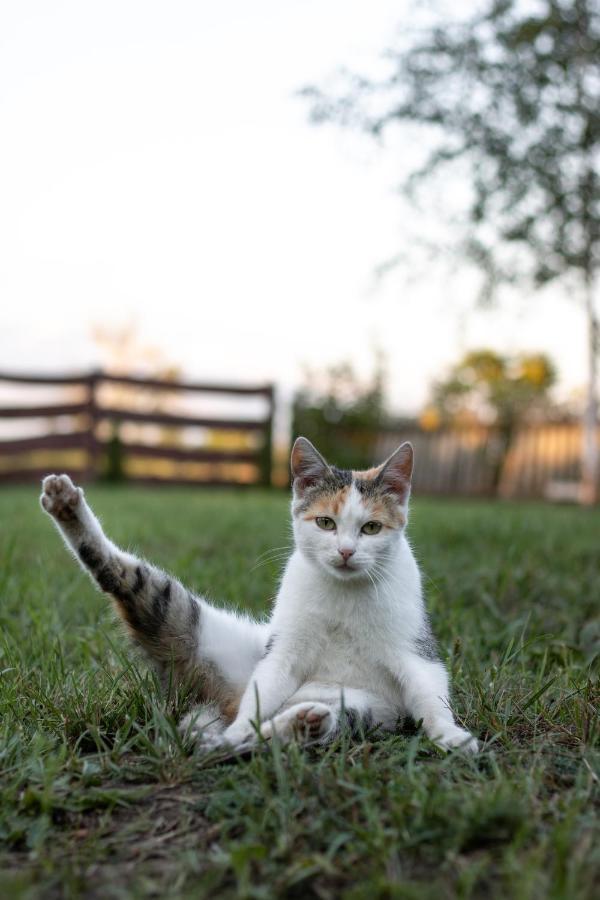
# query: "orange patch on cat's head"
385, 510
327, 504
381, 508
368, 474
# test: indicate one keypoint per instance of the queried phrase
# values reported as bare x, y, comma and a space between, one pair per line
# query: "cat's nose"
346, 552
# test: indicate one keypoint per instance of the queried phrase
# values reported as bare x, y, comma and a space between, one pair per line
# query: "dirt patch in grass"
135, 838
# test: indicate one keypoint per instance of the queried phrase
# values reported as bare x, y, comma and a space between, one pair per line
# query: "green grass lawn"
99, 798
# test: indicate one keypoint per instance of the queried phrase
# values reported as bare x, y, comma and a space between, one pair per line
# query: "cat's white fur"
348, 636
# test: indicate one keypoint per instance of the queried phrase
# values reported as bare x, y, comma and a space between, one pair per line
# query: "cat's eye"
325, 523
371, 528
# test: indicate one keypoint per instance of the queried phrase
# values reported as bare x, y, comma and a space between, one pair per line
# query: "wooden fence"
98, 430
146, 430
542, 461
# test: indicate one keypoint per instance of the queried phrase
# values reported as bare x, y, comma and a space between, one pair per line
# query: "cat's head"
348, 523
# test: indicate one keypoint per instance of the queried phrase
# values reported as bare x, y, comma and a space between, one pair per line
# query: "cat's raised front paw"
60, 497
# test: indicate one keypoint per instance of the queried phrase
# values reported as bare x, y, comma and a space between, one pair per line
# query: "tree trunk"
590, 457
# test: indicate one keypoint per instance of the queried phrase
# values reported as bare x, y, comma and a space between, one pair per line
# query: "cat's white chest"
348, 651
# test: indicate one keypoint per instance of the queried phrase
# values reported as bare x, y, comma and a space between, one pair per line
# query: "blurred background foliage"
495, 389
345, 416
500, 391
341, 413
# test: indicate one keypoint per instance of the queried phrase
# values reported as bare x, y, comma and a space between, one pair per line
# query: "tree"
502, 391
513, 94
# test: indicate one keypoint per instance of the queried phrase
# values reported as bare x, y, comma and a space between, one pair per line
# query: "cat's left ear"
308, 466
396, 472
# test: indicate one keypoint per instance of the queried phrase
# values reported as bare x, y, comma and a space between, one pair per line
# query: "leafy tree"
485, 386
512, 94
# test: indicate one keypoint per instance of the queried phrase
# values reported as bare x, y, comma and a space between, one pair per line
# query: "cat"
348, 643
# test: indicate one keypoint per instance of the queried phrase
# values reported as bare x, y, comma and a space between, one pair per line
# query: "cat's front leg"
425, 695
271, 684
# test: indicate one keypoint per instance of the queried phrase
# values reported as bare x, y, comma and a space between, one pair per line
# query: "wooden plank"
80, 476
155, 481
154, 418
160, 384
39, 412
74, 440
17, 378
27, 476
190, 454
265, 390
127, 415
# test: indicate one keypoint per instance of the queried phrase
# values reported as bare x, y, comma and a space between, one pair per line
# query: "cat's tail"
179, 630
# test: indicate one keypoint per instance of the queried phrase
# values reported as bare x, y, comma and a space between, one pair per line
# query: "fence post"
266, 459
93, 446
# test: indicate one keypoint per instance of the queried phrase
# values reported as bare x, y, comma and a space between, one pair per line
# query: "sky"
158, 170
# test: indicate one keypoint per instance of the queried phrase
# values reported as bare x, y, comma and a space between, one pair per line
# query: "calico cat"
348, 641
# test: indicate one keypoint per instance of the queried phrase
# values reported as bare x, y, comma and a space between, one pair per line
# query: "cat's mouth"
345, 569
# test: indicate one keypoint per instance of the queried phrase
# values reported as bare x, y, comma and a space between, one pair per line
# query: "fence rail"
95, 431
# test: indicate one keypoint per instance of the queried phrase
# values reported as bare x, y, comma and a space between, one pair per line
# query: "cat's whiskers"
387, 554
275, 554
374, 583
380, 581
276, 560
384, 577
274, 550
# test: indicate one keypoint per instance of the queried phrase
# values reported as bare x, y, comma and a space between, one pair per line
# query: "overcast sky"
156, 167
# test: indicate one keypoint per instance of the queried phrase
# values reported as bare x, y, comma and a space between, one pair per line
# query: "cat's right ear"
308, 466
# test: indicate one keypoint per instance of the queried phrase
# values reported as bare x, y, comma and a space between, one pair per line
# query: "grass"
100, 799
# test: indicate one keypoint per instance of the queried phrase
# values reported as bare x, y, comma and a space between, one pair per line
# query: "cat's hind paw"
306, 722
60, 497
455, 738
202, 726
